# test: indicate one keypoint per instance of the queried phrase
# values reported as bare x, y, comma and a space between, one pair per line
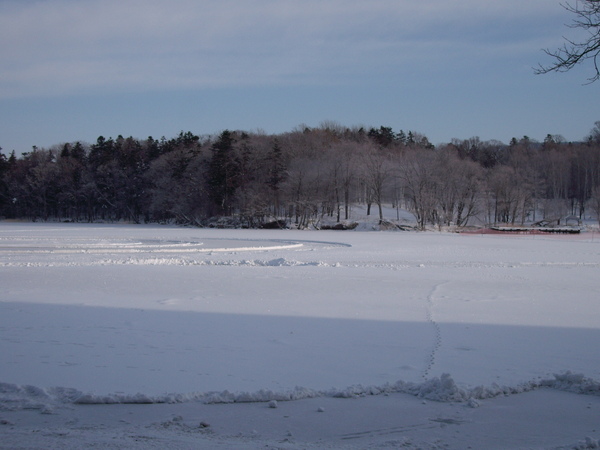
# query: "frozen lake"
116, 312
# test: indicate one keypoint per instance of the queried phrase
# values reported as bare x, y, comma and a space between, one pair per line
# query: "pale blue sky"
77, 69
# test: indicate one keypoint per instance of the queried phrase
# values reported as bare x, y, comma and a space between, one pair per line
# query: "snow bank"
441, 389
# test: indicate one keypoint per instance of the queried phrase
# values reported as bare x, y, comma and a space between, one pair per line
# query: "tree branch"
587, 17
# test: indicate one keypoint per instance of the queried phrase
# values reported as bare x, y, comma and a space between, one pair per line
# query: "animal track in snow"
430, 361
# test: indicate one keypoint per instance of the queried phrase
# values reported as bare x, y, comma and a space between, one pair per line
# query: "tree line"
301, 177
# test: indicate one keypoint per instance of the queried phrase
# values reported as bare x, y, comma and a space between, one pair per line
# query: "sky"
73, 70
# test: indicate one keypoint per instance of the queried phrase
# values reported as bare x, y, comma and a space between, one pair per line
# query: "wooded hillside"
301, 176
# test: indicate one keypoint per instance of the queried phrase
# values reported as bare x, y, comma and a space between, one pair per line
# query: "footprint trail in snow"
430, 304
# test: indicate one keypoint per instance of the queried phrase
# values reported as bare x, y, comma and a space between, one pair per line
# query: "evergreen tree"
277, 174
4, 168
384, 136
223, 173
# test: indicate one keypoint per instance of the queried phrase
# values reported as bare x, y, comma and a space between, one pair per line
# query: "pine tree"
223, 173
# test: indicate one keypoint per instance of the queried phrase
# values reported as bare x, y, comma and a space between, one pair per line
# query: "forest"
301, 177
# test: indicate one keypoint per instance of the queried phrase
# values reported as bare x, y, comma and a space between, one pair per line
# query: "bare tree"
420, 187
587, 18
348, 157
594, 137
303, 190
595, 202
512, 194
554, 167
377, 171
458, 184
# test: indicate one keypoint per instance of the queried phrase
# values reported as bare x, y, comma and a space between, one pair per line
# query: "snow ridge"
277, 262
439, 389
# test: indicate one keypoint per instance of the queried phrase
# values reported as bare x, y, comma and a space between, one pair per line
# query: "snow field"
146, 314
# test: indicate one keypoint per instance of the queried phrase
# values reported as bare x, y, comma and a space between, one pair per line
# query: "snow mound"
588, 443
573, 382
442, 389
15, 397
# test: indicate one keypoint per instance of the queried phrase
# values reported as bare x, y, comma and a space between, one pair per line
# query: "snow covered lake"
131, 336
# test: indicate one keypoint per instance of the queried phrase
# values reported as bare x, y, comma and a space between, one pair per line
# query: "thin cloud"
69, 46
